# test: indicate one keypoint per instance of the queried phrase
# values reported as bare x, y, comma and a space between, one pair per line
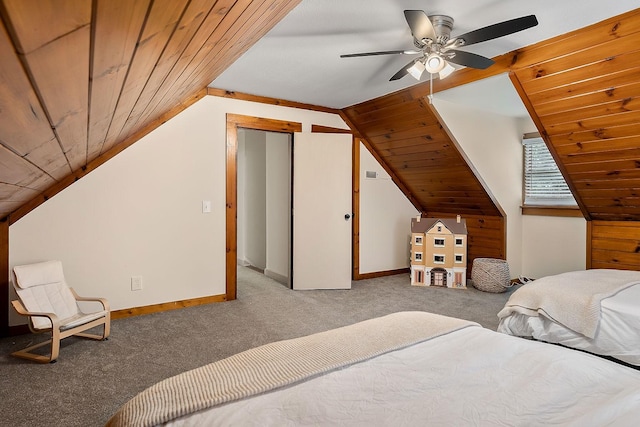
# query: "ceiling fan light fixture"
446, 71
416, 70
432, 40
435, 63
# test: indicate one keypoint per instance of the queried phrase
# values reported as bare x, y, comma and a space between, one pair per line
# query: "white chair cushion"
41, 273
52, 295
81, 319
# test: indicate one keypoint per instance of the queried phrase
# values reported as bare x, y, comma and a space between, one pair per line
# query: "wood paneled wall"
486, 236
408, 138
613, 244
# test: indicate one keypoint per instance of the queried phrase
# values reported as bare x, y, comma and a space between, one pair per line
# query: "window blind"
543, 182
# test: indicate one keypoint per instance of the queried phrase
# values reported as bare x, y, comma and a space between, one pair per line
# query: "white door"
322, 211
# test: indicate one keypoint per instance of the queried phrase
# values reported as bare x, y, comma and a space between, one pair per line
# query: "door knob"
346, 217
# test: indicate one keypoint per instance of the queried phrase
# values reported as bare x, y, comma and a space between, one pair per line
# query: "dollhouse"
439, 252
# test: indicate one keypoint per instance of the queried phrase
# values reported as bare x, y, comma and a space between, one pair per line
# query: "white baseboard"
277, 277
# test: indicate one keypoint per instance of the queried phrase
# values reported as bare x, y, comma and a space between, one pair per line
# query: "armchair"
52, 306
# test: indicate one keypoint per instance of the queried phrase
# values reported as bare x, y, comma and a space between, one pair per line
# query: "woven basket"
491, 275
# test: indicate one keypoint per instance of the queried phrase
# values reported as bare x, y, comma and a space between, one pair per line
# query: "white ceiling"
298, 60
494, 94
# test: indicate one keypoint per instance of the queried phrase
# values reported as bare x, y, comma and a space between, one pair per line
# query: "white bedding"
472, 376
469, 376
617, 335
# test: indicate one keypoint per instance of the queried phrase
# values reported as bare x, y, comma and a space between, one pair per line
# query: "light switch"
206, 206
136, 283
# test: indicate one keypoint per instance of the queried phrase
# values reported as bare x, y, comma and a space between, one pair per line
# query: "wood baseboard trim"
166, 306
381, 274
138, 311
19, 330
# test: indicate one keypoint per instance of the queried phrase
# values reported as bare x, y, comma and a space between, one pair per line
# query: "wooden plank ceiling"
583, 93
585, 100
82, 77
79, 77
415, 147
406, 136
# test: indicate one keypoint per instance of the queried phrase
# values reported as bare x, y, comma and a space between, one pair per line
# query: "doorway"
234, 123
319, 260
264, 203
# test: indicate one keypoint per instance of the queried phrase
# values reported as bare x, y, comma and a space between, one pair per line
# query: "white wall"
278, 204
241, 190
552, 245
141, 213
385, 219
493, 144
254, 198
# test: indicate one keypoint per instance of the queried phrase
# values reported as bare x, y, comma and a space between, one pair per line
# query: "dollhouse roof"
452, 224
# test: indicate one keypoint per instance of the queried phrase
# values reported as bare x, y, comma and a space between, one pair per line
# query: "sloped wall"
536, 246
385, 220
141, 213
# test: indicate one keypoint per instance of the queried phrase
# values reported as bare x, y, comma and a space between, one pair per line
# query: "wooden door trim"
234, 122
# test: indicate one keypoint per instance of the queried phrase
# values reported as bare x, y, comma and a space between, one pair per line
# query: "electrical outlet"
136, 283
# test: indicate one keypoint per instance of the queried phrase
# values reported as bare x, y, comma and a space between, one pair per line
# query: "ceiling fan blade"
420, 25
469, 59
384, 52
498, 30
402, 72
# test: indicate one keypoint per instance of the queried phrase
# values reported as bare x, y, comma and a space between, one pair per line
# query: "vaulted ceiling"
82, 79
581, 90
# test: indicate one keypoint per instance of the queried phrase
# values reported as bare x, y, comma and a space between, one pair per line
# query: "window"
439, 229
418, 256
458, 241
543, 182
458, 258
418, 240
438, 259
438, 242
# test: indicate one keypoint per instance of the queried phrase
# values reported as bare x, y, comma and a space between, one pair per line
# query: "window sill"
565, 211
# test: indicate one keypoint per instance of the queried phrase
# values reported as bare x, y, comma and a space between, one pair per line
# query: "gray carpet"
92, 379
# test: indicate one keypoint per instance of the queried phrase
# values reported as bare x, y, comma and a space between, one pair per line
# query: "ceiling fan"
431, 37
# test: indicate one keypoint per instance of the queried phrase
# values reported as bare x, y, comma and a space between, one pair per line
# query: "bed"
592, 310
407, 368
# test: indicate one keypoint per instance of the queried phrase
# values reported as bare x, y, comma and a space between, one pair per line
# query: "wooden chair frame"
58, 330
